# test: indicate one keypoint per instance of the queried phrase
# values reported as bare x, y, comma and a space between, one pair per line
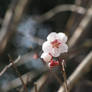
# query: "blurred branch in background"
26, 58
19, 61
61, 8
40, 82
76, 50
11, 20
71, 20
37, 40
1, 20
82, 26
16, 83
82, 69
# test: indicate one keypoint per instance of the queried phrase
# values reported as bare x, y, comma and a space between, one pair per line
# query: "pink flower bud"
53, 63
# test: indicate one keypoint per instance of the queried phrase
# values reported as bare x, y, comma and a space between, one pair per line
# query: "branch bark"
11, 20
82, 26
82, 69
61, 8
8, 66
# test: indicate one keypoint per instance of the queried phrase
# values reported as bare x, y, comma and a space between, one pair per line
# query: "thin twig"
35, 84
82, 69
16, 82
40, 82
27, 79
64, 76
8, 66
62, 66
15, 68
55, 75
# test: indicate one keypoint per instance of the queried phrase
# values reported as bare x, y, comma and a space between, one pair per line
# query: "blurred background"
24, 26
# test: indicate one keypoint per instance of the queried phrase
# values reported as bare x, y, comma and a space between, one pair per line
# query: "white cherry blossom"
55, 44
46, 57
59, 36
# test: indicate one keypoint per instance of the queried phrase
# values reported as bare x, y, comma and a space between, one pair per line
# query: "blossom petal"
52, 36
55, 52
46, 57
62, 37
63, 48
46, 47
55, 44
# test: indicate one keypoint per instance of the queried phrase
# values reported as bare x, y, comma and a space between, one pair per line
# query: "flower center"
55, 44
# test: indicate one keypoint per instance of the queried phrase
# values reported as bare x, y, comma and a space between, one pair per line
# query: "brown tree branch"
15, 68
8, 66
11, 20
16, 82
82, 69
61, 8
82, 26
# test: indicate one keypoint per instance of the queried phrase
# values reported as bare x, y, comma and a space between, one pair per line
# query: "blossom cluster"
54, 47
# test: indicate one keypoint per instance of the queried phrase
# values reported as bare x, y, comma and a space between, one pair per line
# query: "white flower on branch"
55, 44
46, 57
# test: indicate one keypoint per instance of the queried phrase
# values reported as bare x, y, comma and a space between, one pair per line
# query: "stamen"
55, 44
